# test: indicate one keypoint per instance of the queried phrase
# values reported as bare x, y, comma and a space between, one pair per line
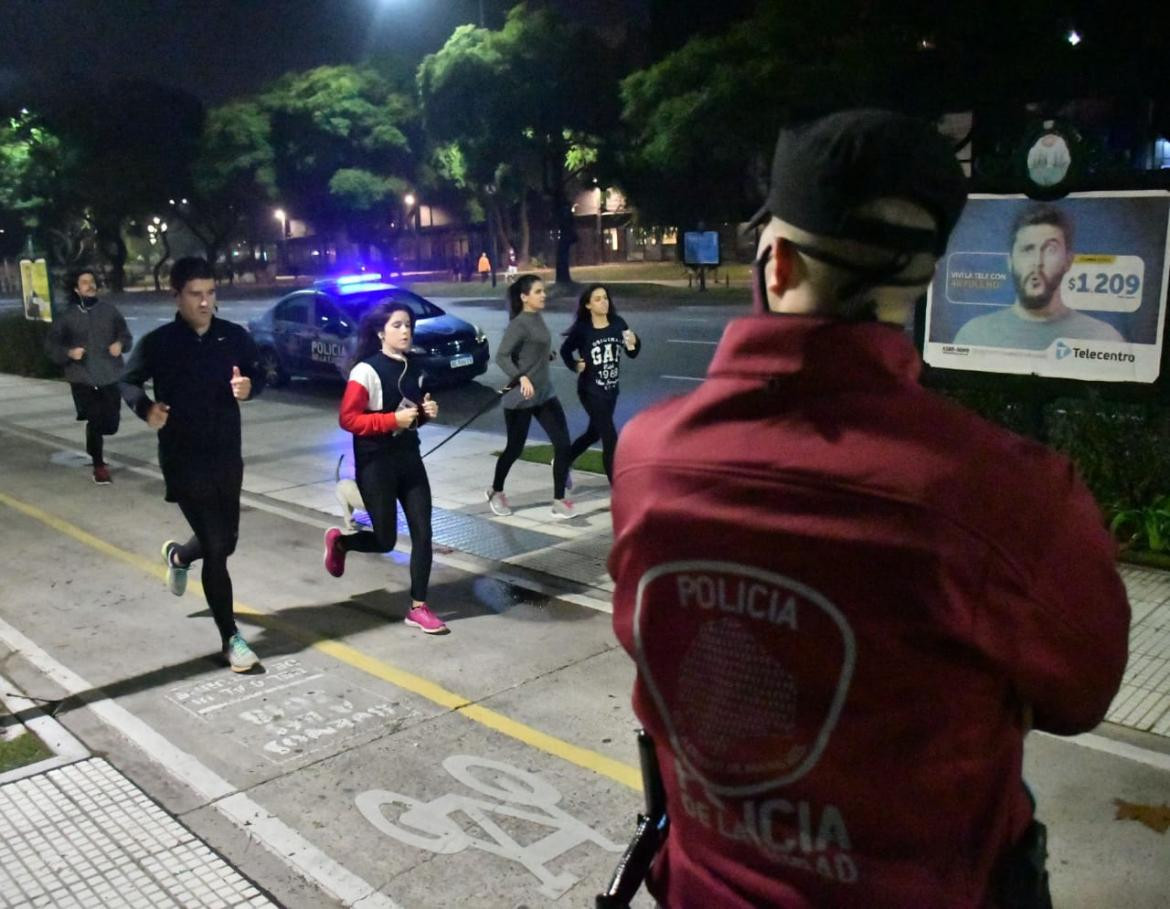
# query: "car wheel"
274, 374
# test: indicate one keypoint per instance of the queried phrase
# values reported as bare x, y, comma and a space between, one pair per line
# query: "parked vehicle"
310, 332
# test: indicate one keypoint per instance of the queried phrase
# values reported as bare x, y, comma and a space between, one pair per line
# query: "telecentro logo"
1062, 350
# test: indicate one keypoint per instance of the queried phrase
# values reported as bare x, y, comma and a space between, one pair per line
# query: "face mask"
89, 301
759, 284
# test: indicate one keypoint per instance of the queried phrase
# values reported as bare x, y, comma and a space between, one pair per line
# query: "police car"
311, 332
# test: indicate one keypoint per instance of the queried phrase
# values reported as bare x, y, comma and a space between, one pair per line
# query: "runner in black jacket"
202, 367
593, 348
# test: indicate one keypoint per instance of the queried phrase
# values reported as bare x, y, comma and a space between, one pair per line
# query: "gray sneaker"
498, 502
563, 508
176, 574
239, 655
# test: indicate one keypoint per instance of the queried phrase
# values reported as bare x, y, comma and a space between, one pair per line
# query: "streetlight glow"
408, 199
1074, 37
279, 215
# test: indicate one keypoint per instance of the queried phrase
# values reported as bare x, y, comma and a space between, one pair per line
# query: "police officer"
848, 599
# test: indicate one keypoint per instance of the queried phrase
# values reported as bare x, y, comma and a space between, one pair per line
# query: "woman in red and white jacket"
383, 406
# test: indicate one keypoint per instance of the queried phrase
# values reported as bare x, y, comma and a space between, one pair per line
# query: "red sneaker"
101, 475
422, 617
334, 554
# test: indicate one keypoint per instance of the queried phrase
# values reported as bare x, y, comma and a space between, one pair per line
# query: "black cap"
826, 169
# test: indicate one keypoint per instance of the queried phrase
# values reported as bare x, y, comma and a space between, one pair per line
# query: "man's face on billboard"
1040, 259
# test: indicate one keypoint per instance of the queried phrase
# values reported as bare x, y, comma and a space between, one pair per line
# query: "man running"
202, 367
89, 339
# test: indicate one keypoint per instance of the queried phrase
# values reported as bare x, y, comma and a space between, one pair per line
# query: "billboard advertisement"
34, 290
1071, 289
701, 247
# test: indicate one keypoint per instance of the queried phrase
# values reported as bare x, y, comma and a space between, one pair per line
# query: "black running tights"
214, 516
384, 481
600, 408
551, 417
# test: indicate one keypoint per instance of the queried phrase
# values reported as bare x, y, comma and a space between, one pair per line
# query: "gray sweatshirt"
525, 350
95, 328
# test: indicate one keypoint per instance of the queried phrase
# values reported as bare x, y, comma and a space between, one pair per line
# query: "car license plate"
456, 362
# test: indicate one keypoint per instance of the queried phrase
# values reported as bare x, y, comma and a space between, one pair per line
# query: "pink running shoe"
334, 554
422, 617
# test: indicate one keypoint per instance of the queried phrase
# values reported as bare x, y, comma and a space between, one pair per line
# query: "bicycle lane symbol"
518, 794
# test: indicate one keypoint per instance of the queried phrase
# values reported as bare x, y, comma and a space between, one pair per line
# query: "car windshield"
357, 304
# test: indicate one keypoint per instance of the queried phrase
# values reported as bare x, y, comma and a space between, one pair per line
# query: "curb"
66, 748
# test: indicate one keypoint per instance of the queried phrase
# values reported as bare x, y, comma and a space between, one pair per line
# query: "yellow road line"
351, 656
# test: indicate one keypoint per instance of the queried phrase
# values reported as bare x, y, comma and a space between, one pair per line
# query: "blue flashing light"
364, 278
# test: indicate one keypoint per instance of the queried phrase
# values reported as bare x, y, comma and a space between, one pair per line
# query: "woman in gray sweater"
524, 354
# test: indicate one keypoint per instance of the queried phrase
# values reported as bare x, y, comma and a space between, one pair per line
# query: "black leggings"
100, 407
551, 417
384, 480
600, 408
214, 516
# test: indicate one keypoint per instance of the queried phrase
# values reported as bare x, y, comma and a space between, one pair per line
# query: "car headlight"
480, 337
418, 351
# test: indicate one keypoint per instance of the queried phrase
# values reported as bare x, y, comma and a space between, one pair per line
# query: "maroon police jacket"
847, 598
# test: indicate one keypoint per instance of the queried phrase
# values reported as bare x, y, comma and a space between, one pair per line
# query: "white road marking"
683, 378
282, 841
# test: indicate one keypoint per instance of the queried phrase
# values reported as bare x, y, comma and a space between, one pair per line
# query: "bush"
22, 347
1122, 450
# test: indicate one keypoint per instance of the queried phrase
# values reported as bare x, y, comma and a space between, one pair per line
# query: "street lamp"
156, 232
411, 219
282, 245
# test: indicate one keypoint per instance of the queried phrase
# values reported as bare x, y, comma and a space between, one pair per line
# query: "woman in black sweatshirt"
593, 348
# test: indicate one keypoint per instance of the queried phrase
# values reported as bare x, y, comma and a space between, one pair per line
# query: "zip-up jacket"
192, 374
845, 596
95, 328
376, 388
601, 350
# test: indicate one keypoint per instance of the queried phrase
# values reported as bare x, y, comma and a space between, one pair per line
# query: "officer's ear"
780, 266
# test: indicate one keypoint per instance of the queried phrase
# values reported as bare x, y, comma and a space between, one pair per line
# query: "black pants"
600, 407
213, 511
551, 417
101, 408
384, 481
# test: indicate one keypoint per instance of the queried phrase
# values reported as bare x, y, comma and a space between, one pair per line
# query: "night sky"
218, 49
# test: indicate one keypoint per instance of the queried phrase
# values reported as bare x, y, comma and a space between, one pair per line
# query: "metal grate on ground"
482, 537
85, 836
1143, 702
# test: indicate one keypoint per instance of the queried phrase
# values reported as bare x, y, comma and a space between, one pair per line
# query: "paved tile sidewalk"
1144, 699
85, 836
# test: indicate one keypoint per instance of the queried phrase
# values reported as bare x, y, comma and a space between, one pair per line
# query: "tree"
135, 142
527, 105
700, 122
32, 160
343, 139
232, 176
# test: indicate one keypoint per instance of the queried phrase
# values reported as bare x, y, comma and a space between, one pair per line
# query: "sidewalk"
291, 454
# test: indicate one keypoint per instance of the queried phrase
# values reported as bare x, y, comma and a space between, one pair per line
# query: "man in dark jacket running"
202, 367
88, 339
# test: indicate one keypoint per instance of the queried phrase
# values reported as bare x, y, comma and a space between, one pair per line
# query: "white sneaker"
498, 502
563, 508
239, 655
176, 573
